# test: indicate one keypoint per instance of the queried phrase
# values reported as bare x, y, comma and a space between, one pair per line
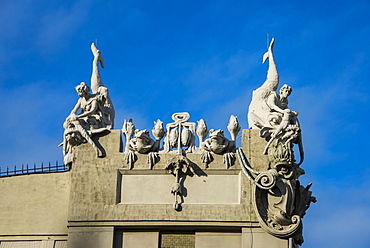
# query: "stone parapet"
106, 189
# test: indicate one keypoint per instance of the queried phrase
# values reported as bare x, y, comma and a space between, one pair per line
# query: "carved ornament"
279, 200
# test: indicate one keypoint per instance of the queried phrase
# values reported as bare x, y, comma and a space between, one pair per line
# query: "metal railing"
33, 169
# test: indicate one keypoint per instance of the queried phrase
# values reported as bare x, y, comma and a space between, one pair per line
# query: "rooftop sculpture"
279, 200
96, 112
179, 141
268, 111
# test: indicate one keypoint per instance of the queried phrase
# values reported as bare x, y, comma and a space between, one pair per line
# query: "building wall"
34, 208
101, 202
137, 202
105, 189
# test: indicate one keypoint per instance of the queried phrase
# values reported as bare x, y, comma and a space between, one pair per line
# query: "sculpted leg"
84, 134
272, 73
96, 81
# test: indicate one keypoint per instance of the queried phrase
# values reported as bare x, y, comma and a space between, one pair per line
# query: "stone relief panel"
179, 138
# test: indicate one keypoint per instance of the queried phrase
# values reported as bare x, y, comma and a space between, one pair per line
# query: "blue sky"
203, 57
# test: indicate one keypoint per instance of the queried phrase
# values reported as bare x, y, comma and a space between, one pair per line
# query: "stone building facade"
103, 203
146, 192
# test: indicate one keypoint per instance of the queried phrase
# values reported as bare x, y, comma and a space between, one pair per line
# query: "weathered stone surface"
34, 208
218, 239
96, 184
256, 237
140, 239
100, 199
92, 237
253, 146
213, 188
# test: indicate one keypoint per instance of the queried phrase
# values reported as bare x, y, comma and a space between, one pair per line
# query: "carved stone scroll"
279, 200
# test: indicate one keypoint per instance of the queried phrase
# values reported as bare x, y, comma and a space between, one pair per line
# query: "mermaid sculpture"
269, 112
96, 112
278, 198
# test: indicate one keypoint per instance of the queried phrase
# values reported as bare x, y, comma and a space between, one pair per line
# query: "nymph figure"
93, 112
97, 87
87, 122
269, 112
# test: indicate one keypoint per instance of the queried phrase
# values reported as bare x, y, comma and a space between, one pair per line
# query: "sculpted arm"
272, 102
94, 107
73, 116
76, 108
